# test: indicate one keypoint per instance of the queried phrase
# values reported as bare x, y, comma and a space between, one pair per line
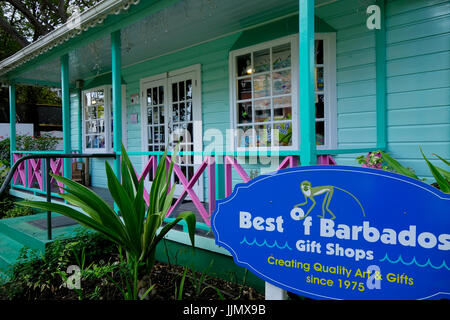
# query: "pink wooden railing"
187, 185
208, 164
19, 175
326, 159
35, 173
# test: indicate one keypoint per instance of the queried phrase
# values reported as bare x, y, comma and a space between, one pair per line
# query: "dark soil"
165, 277
104, 276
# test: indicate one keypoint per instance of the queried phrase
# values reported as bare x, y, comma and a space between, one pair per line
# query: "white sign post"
275, 293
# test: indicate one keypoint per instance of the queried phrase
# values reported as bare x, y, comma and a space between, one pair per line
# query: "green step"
19, 230
17, 233
9, 252
31, 236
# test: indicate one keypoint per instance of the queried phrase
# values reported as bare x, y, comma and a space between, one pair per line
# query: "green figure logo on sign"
310, 192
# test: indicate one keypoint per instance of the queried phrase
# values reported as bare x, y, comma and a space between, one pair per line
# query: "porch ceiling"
180, 25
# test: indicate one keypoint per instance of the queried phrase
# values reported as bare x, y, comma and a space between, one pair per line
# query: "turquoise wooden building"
247, 86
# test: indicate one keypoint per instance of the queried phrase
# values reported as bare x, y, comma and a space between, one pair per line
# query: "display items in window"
245, 136
263, 135
282, 108
245, 112
319, 79
261, 85
244, 89
262, 110
281, 56
320, 133
261, 61
284, 132
320, 106
281, 82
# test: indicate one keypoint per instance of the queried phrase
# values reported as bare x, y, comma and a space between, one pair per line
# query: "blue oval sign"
338, 232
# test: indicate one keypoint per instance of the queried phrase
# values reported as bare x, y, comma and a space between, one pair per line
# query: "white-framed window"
97, 119
264, 94
325, 90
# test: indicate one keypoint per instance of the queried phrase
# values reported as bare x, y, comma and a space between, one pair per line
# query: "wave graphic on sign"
275, 244
426, 264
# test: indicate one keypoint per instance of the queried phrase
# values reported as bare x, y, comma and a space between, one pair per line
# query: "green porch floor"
18, 233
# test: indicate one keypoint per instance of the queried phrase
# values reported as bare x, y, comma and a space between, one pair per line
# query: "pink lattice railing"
326, 159
187, 185
230, 163
31, 172
57, 167
19, 175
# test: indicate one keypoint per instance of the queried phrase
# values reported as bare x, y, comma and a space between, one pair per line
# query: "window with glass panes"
96, 116
265, 98
156, 132
171, 111
181, 125
319, 91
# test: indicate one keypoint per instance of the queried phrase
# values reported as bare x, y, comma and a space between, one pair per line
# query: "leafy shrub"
26, 143
18, 212
23, 143
372, 160
5, 151
8, 208
136, 231
382, 160
4, 170
36, 275
43, 143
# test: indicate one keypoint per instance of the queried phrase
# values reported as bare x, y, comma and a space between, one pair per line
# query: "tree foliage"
25, 21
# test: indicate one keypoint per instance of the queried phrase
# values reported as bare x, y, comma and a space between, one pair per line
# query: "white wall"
21, 129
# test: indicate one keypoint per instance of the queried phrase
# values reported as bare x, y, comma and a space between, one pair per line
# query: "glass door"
171, 114
154, 121
183, 123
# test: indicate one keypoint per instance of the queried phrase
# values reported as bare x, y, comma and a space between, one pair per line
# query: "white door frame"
163, 79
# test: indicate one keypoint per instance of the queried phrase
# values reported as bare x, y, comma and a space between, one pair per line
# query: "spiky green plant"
135, 228
441, 176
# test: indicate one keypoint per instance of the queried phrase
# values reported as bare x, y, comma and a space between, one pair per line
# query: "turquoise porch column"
65, 94
380, 53
12, 119
308, 151
116, 96
80, 120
